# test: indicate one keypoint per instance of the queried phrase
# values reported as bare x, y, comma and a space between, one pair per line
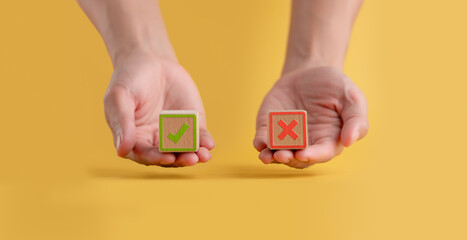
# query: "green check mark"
175, 138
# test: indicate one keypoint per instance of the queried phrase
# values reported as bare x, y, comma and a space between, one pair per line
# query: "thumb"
120, 116
355, 117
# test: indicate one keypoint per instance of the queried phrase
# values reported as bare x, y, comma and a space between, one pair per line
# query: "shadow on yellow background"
231, 172
61, 179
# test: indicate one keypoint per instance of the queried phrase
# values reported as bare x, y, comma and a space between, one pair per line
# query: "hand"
140, 88
337, 115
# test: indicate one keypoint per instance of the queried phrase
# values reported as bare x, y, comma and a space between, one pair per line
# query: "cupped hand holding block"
287, 129
179, 131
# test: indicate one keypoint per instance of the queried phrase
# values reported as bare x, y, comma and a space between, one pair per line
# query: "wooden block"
287, 129
178, 130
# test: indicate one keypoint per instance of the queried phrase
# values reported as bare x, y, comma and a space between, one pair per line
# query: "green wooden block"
178, 131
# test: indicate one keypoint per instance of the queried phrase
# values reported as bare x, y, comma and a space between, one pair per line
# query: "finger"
146, 154
322, 151
205, 139
355, 117
203, 154
354, 129
283, 156
298, 164
266, 156
260, 139
119, 113
186, 159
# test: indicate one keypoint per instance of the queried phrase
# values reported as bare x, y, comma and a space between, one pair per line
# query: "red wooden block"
287, 129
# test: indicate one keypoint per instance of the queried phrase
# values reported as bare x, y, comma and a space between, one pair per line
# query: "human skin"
147, 79
147, 76
312, 79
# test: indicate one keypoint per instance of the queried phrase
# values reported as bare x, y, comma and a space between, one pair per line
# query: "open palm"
139, 90
337, 115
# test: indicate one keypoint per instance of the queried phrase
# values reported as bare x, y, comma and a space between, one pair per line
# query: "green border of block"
161, 117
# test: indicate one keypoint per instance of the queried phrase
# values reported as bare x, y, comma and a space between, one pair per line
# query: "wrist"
301, 54
294, 62
122, 49
122, 55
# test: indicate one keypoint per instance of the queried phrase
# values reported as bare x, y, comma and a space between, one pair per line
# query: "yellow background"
60, 177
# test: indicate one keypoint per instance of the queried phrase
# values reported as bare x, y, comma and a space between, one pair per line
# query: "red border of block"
271, 128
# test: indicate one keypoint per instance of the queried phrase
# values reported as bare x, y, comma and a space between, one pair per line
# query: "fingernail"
118, 141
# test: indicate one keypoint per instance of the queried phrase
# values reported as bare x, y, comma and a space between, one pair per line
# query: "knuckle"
114, 92
352, 115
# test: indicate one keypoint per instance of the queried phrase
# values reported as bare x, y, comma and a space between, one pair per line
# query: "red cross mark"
288, 129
